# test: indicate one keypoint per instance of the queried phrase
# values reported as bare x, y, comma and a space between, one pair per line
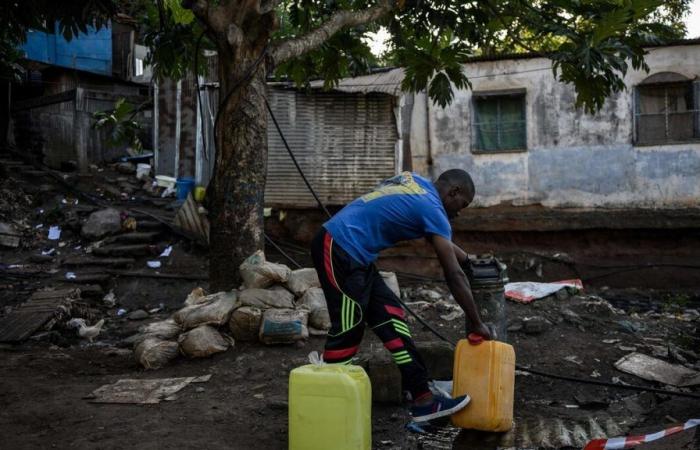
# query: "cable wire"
291, 154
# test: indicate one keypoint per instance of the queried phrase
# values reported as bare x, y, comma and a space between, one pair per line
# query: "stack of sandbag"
191, 331
257, 272
269, 303
156, 343
278, 305
200, 322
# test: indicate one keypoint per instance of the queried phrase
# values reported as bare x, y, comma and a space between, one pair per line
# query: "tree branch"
294, 47
214, 17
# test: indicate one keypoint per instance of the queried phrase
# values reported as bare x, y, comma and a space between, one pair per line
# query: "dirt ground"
46, 381
244, 404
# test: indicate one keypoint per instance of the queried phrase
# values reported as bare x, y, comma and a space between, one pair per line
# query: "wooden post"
81, 129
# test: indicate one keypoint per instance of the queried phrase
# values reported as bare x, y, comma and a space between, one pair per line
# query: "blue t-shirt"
401, 208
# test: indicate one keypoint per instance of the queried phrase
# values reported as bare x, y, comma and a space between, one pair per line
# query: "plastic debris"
110, 299
526, 292
54, 233
70, 276
168, 250
153, 264
633, 441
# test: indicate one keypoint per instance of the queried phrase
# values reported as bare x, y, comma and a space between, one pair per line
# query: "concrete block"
384, 374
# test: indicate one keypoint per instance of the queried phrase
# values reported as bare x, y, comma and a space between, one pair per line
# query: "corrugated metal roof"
344, 143
386, 82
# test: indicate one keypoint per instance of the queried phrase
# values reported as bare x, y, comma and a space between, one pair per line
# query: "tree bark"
236, 192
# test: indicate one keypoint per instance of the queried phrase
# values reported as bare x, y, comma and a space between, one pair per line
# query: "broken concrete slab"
79, 261
126, 250
136, 237
385, 377
9, 237
653, 369
142, 391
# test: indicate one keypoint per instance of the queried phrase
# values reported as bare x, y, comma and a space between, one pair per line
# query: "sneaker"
440, 407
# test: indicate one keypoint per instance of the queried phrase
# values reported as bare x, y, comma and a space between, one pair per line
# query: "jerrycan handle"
475, 339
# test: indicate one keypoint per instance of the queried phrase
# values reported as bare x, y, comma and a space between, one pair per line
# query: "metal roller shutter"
345, 143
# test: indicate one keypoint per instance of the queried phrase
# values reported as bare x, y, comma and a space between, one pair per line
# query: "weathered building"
67, 82
519, 133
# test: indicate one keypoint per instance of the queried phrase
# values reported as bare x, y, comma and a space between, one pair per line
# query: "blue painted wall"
91, 52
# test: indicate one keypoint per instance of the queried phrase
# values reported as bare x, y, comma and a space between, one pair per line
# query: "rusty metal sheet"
344, 143
190, 220
36, 312
387, 82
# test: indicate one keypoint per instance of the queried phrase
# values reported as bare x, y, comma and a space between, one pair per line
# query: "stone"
385, 377
139, 314
536, 325
570, 317
102, 223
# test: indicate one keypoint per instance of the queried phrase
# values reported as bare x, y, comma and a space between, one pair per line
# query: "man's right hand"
482, 330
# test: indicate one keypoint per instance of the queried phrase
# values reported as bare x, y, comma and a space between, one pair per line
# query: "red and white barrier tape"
631, 441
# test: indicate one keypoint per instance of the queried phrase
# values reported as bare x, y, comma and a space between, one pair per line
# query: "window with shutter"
666, 113
498, 122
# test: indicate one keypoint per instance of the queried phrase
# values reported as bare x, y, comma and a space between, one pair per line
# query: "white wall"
573, 159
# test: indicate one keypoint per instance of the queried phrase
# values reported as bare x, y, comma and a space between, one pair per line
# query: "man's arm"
459, 253
458, 283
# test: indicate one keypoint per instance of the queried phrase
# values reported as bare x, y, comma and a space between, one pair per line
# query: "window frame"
694, 86
478, 95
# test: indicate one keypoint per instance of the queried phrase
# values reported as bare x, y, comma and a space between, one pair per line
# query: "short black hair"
458, 177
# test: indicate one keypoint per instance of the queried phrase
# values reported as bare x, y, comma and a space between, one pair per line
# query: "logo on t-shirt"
402, 184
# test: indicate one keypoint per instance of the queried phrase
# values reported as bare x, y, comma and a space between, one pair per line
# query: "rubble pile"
61, 231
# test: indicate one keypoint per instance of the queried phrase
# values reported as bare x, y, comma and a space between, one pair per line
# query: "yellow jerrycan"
330, 408
484, 370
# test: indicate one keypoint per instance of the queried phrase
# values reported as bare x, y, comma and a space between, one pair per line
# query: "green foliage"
171, 35
592, 43
344, 54
123, 129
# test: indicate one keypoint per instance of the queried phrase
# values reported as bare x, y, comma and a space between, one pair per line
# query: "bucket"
142, 170
199, 193
183, 187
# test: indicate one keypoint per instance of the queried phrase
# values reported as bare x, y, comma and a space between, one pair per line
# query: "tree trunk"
236, 191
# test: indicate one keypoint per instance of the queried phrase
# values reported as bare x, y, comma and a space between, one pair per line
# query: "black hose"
292, 260
630, 387
301, 172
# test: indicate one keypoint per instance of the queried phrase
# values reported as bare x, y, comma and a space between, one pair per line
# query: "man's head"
456, 190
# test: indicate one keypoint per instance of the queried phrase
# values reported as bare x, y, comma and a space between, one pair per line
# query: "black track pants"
357, 296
